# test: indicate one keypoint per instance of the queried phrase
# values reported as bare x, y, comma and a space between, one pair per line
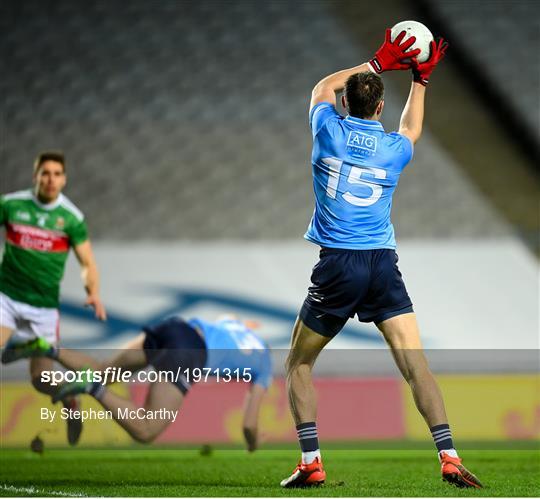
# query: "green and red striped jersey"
38, 238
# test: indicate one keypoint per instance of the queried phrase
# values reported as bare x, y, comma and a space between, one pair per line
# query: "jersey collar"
49, 206
376, 125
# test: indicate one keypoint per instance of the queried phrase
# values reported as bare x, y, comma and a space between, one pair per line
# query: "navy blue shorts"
172, 344
366, 283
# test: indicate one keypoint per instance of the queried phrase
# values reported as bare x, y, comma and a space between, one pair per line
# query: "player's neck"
46, 200
375, 117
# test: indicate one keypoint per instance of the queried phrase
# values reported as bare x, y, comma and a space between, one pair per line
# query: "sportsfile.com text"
119, 375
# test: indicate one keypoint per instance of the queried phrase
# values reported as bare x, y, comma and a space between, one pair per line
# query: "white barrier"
467, 294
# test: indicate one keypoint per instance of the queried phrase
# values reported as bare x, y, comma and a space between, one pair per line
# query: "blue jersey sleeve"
402, 147
263, 376
320, 114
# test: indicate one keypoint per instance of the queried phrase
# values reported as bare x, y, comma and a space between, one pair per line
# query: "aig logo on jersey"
362, 143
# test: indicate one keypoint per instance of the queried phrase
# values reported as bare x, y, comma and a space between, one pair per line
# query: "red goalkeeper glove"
391, 54
422, 70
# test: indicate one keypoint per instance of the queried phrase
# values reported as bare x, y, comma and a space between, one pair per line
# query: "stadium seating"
189, 120
506, 47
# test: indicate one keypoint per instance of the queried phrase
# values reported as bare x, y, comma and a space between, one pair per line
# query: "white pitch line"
41, 492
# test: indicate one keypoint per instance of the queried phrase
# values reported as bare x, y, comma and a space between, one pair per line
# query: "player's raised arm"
412, 117
251, 416
389, 57
327, 88
90, 277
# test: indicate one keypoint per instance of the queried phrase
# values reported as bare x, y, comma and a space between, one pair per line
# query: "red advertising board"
349, 408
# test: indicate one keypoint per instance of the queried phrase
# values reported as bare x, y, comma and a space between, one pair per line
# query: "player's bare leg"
161, 396
306, 345
5, 334
130, 356
403, 336
37, 366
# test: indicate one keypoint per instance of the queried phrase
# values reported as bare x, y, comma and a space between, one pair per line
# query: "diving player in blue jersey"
185, 352
356, 166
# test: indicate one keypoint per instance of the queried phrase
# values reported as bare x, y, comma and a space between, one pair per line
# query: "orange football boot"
456, 474
306, 475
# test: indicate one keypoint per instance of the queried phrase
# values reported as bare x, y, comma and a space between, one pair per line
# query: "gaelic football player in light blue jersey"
356, 167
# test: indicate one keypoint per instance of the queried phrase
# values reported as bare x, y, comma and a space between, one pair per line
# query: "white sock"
309, 457
449, 452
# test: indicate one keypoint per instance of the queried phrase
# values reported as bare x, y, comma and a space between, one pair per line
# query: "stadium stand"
173, 131
519, 29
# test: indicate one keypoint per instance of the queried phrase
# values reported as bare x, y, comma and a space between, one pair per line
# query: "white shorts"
29, 322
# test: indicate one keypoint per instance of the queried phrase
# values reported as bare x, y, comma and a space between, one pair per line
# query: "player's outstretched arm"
327, 88
90, 277
251, 416
389, 57
412, 117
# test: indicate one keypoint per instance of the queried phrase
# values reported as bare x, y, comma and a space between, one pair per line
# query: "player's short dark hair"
44, 156
363, 92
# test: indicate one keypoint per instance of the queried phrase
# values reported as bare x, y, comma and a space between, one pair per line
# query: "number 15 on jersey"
357, 175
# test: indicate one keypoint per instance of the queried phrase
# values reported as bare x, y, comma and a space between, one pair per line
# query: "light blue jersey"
230, 344
356, 168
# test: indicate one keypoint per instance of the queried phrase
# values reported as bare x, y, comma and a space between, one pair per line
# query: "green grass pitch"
163, 472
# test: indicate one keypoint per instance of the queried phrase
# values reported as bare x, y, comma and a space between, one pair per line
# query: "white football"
418, 30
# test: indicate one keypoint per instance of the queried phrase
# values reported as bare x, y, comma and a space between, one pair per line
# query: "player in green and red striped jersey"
41, 226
